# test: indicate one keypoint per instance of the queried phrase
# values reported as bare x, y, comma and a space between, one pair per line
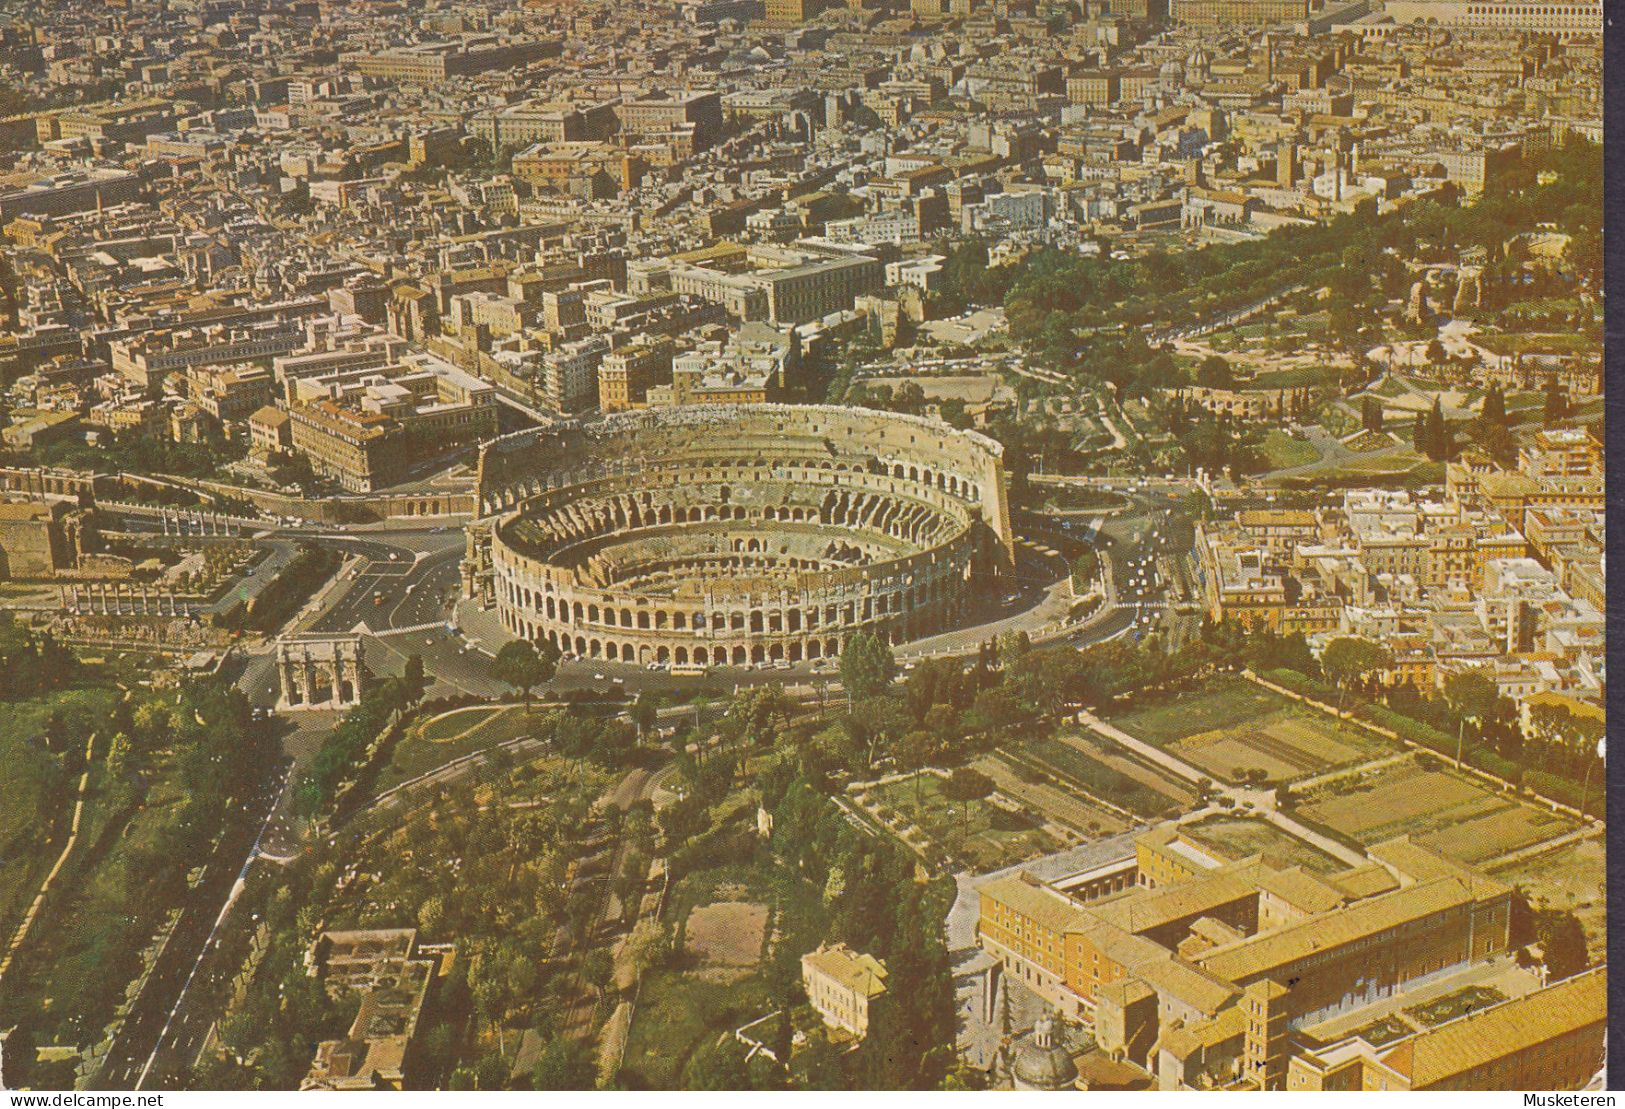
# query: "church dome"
1041, 1063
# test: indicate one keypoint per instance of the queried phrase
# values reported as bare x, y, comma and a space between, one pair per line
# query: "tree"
953, 412
1214, 373
1371, 414
415, 678
1419, 433
1472, 696
648, 945
1494, 410
151, 721
1085, 568
1349, 660
1436, 352
522, 666
645, 712
564, 1064
598, 968
1438, 444
1557, 401
914, 753
867, 667
1013, 646
1562, 941
965, 785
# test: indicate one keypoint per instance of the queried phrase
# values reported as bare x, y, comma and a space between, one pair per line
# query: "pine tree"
1419, 434
1494, 411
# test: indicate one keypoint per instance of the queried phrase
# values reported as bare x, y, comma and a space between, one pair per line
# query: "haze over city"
801, 545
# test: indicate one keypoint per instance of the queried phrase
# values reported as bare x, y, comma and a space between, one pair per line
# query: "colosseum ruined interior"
735, 534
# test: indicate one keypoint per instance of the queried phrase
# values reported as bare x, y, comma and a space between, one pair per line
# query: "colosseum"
735, 534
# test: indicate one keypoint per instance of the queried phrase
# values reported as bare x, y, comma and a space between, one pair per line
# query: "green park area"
439, 739
1282, 451
42, 743
1071, 761
980, 832
733, 926
163, 765
1236, 730
1438, 808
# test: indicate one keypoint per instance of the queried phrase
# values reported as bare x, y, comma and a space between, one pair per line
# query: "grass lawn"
462, 733
1395, 470
1439, 809
454, 723
1292, 379
1518, 342
1282, 451
1223, 702
1082, 497
1287, 744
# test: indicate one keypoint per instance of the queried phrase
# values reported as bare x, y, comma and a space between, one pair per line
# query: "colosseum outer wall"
738, 534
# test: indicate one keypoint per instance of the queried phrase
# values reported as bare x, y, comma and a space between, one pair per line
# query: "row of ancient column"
121, 599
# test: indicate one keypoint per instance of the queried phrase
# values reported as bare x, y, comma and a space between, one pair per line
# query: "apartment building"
626, 375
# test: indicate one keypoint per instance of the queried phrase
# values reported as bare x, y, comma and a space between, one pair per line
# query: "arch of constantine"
316, 671
734, 534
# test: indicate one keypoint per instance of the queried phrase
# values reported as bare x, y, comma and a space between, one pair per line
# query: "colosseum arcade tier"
735, 534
